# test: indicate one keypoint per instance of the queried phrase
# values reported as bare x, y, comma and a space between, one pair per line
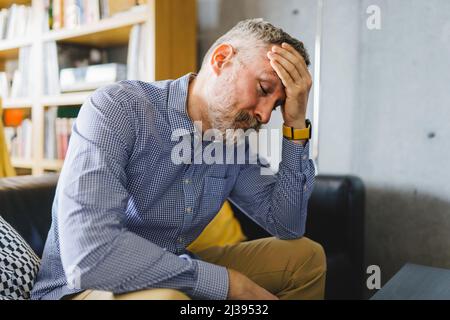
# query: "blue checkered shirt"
124, 213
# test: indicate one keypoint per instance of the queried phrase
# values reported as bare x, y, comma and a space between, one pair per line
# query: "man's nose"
263, 112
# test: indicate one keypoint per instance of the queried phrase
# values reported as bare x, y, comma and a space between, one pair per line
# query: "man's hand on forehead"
293, 73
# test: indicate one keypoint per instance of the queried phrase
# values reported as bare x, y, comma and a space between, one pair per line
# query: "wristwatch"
291, 133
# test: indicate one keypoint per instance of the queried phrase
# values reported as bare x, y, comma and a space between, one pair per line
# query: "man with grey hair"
124, 212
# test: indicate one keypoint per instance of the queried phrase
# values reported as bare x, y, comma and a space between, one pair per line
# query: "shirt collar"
177, 104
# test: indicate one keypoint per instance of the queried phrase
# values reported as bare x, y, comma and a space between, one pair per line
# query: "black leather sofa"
335, 220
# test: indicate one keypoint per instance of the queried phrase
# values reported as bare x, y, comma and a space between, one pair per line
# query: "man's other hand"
242, 288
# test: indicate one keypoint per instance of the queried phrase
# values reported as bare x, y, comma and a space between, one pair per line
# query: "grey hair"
254, 33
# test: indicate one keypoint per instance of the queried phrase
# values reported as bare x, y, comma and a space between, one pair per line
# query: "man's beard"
222, 115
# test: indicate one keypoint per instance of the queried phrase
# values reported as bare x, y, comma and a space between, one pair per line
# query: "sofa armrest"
25, 203
336, 213
336, 221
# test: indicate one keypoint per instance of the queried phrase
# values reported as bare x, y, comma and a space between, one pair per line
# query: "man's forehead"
271, 74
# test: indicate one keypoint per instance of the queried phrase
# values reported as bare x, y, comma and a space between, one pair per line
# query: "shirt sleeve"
95, 244
278, 202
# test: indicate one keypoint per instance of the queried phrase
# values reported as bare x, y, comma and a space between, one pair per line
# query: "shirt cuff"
212, 281
295, 156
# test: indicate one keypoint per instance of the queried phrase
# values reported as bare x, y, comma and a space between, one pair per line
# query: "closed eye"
263, 91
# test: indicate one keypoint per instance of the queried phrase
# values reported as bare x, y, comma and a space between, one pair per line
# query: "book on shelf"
10, 133
57, 20
63, 133
58, 129
51, 69
50, 133
58, 123
92, 11
18, 133
70, 14
15, 22
16, 84
138, 61
20, 140
22, 82
3, 23
4, 85
20, 73
25, 139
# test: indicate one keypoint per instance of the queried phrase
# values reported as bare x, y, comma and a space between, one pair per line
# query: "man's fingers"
292, 51
292, 58
282, 73
300, 62
287, 65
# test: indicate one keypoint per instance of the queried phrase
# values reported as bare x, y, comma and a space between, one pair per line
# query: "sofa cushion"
223, 230
18, 264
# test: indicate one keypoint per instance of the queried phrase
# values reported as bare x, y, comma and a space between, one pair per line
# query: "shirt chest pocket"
215, 192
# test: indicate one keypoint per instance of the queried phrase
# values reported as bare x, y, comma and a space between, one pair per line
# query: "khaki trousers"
289, 269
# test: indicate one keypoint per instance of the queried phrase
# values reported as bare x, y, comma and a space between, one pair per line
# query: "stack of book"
139, 53
21, 83
15, 22
51, 69
4, 85
18, 133
17, 82
58, 129
72, 13
19, 140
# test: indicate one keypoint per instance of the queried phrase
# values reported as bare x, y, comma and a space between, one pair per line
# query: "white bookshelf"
9, 49
107, 32
22, 163
17, 103
172, 25
66, 99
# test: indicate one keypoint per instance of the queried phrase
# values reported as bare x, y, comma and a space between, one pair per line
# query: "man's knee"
310, 252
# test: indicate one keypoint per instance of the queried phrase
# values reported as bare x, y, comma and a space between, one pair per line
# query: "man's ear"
220, 56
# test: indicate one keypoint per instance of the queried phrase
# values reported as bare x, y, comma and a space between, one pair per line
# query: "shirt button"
180, 240
305, 157
189, 209
305, 188
187, 181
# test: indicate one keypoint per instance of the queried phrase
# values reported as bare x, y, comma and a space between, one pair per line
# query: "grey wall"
385, 109
384, 117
